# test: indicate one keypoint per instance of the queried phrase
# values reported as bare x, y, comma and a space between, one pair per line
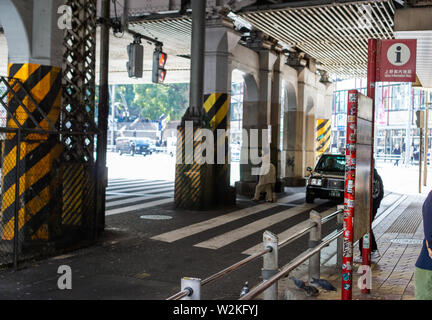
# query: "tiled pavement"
399, 238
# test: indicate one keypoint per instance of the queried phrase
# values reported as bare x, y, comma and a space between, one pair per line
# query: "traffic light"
420, 118
159, 61
136, 58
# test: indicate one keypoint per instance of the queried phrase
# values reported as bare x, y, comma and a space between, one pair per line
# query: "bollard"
314, 240
339, 248
270, 264
193, 285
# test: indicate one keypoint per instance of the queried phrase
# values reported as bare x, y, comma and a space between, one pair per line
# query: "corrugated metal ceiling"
335, 35
424, 56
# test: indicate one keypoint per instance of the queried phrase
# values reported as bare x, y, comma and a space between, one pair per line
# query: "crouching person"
267, 180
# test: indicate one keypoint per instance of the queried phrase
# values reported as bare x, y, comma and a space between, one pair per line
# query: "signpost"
391, 60
357, 181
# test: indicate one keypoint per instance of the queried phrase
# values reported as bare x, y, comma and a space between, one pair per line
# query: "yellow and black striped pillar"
193, 179
216, 106
40, 189
323, 136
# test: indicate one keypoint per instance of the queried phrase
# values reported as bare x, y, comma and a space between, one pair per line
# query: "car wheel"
309, 199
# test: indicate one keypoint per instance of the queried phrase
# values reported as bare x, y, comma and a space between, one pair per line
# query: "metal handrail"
291, 266
297, 235
234, 267
180, 295
251, 258
331, 216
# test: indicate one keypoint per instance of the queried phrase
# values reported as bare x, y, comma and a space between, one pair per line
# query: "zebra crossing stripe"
138, 185
287, 233
130, 200
127, 181
196, 228
187, 231
133, 189
138, 207
237, 234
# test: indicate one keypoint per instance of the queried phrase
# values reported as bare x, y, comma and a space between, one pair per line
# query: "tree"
152, 101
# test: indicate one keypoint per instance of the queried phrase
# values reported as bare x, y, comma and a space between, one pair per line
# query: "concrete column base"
245, 188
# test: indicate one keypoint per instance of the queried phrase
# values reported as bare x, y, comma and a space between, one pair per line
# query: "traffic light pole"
103, 111
197, 57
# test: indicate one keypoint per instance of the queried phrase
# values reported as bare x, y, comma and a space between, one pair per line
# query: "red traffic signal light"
159, 61
162, 59
162, 75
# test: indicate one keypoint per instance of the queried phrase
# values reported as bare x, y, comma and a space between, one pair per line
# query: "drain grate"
407, 241
156, 217
409, 221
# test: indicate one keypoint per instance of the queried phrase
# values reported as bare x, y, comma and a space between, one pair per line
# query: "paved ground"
142, 258
148, 245
399, 241
145, 259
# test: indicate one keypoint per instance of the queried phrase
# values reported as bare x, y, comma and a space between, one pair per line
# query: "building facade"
395, 118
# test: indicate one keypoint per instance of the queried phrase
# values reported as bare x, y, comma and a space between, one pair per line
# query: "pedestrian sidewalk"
399, 237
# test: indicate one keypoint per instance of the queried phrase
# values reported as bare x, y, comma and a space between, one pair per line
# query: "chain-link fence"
48, 191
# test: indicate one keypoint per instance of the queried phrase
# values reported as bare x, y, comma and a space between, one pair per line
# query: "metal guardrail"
388, 157
270, 253
291, 266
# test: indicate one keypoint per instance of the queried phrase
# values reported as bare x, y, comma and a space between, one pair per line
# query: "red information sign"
396, 60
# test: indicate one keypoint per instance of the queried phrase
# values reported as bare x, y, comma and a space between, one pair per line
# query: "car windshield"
142, 141
331, 163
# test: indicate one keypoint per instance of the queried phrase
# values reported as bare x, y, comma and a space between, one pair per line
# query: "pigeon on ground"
324, 284
311, 291
298, 283
245, 289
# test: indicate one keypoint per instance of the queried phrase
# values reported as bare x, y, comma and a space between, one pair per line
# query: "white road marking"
287, 233
212, 223
187, 231
138, 207
130, 200
140, 187
237, 234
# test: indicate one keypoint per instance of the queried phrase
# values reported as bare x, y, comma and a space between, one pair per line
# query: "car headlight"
316, 182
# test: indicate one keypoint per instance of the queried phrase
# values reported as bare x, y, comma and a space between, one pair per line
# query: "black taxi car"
132, 146
327, 180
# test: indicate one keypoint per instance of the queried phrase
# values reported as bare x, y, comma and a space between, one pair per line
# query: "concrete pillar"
274, 119
221, 40
307, 97
295, 143
289, 108
35, 59
194, 179
246, 185
301, 127
256, 115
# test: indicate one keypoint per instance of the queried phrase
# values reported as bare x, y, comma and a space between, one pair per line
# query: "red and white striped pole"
349, 196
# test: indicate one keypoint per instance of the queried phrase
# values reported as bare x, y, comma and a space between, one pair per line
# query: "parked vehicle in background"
132, 146
327, 180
